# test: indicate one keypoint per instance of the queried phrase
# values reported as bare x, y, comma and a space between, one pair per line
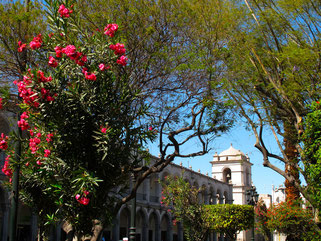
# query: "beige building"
234, 167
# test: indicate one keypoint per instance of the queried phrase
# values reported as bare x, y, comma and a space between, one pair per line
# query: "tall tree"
167, 63
82, 122
273, 72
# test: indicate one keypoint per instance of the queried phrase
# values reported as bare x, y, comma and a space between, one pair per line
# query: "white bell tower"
232, 166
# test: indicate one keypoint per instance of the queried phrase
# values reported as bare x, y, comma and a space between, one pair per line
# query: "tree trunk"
73, 236
292, 193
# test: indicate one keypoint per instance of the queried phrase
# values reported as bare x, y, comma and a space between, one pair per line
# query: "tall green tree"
272, 76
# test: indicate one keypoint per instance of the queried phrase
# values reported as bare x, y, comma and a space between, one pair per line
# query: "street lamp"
252, 199
132, 229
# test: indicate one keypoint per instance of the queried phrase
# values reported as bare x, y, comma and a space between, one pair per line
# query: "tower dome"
231, 154
231, 151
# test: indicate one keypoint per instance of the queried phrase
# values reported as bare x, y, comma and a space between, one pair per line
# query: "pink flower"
23, 124
58, 50
33, 144
84, 70
122, 60
70, 51
103, 130
6, 169
103, 67
41, 77
90, 76
111, 29
49, 137
86, 193
39, 163
28, 96
22, 47
24, 115
84, 200
64, 12
3, 142
51, 35
47, 153
52, 62
118, 48
80, 59
36, 42
150, 128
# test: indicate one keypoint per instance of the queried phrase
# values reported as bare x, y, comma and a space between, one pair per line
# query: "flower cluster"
35, 43
72, 53
41, 77
21, 47
52, 62
6, 169
103, 67
3, 142
111, 29
83, 199
122, 60
22, 123
89, 75
34, 143
31, 96
28, 96
119, 49
65, 12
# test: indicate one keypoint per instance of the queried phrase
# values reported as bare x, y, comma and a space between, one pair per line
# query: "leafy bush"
290, 219
230, 218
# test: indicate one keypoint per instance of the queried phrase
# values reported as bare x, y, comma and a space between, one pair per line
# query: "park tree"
289, 218
87, 116
230, 219
272, 77
198, 219
182, 200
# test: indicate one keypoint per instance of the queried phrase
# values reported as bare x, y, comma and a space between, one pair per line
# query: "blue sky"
263, 178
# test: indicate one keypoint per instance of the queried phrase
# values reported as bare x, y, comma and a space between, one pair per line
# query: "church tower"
232, 166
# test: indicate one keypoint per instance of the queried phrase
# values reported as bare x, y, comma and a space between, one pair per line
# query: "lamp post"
252, 199
132, 229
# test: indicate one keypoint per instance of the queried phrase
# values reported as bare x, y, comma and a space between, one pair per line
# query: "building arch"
141, 225
204, 194
227, 175
153, 226
165, 227
219, 196
124, 222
